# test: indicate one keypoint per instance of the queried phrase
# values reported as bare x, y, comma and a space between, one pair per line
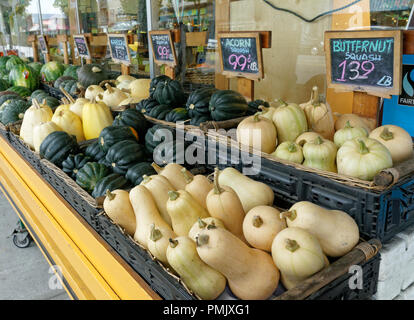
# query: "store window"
390, 14
18, 20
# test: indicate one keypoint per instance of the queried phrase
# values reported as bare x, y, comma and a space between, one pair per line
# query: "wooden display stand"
32, 40
44, 46
63, 39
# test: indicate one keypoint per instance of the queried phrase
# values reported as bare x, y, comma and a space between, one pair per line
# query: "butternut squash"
336, 231
261, 225
159, 186
202, 224
224, 203
250, 192
146, 214
184, 211
298, 255
158, 242
173, 172
118, 207
250, 272
198, 186
203, 280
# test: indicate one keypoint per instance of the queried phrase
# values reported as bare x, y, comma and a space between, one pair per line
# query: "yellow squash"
96, 117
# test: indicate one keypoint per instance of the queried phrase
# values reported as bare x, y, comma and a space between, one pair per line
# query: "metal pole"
150, 27
77, 16
40, 17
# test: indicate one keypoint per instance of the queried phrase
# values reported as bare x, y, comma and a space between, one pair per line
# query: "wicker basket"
200, 76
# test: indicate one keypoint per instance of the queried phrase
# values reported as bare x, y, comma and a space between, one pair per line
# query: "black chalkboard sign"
118, 45
241, 54
43, 44
367, 61
163, 48
82, 46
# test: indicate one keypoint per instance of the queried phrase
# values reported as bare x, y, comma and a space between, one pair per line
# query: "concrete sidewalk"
24, 273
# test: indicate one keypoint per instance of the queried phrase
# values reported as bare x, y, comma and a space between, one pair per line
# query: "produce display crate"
169, 286
51, 91
379, 214
25, 151
78, 198
4, 132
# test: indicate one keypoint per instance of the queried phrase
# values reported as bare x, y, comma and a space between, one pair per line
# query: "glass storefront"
294, 64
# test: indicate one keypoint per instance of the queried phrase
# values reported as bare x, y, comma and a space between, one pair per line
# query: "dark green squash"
170, 152
145, 106
254, 107
95, 151
90, 174
170, 93
227, 104
3, 85
74, 163
156, 135
111, 182
7, 97
196, 121
57, 146
14, 111
154, 83
37, 93
114, 134
134, 119
160, 112
124, 155
177, 114
52, 102
135, 173
71, 86
198, 102
90, 74
60, 80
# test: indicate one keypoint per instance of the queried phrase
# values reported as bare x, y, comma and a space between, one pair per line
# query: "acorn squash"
146, 105
159, 112
198, 102
157, 135
14, 111
114, 134
136, 172
111, 182
134, 119
90, 174
227, 104
74, 163
95, 151
177, 114
124, 155
154, 82
170, 93
57, 146
91, 74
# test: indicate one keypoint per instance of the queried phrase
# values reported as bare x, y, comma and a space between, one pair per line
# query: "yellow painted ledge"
91, 268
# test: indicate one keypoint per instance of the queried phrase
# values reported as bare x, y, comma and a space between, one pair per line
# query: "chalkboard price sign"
82, 46
163, 48
43, 44
241, 54
118, 45
368, 61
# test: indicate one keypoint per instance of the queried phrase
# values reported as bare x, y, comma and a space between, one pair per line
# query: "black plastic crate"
20, 146
339, 288
379, 215
158, 279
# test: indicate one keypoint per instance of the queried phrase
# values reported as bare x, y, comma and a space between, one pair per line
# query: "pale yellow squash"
202, 224
118, 207
198, 186
173, 172
251, 273
146, 214
41, 131
203, 280
336, 231
158, 242
70, 123
261, 225
95, 118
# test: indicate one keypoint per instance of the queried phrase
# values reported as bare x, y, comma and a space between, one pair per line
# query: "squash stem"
174, 195
387, 134
292, 245
315, 95
363, 149
318, 141
109, 88
187, 177
211, 226
156, 167
282, 103
146, 179
202, 240
256, 117
36, 104
292, 148
257, 221
348, 125
111, 196
155, 234
173, 243
291, 215
217, 189
201, 223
